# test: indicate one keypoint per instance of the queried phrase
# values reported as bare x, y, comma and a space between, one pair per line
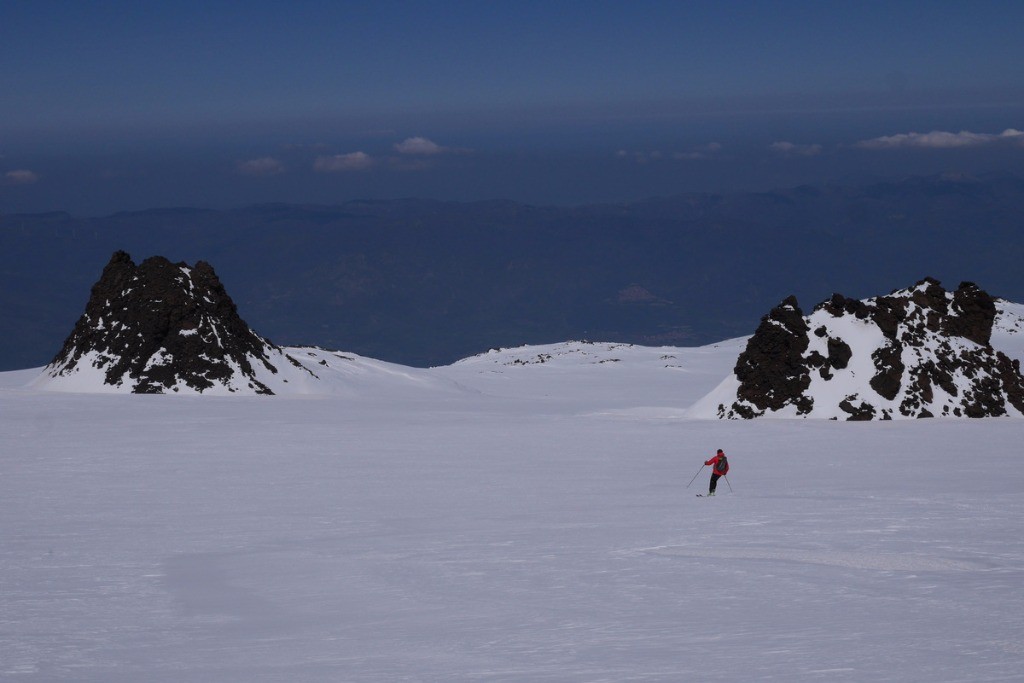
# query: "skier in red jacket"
719, 468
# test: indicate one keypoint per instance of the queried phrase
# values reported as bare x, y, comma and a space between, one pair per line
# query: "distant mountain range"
426, 283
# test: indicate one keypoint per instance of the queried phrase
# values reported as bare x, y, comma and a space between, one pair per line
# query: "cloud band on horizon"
938, 139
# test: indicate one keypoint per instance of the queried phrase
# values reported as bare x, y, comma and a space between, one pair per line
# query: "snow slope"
297, 371
497, 520
1008, 330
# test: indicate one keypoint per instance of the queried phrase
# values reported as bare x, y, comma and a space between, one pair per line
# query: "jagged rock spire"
161, 326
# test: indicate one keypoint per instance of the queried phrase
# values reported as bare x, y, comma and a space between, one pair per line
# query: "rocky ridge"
918, 352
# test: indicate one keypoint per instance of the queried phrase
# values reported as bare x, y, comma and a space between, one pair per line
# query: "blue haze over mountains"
426, 282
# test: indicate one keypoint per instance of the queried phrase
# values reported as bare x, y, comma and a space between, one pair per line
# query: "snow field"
531, 524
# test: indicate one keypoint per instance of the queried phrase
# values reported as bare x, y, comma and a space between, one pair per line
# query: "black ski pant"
714, 482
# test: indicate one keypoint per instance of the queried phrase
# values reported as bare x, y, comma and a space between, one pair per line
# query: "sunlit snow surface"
518, 516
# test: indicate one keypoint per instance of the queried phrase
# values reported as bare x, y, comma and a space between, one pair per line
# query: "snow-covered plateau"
522, 515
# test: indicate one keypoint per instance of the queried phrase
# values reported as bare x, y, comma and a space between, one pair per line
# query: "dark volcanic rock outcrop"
918, 352
771, 370
161, 326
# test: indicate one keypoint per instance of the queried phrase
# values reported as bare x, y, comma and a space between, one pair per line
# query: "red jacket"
714, 462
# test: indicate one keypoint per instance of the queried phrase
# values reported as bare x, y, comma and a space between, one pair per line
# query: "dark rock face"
973, 312
858, 412
771, 370
923, 352
889, 368
161, 326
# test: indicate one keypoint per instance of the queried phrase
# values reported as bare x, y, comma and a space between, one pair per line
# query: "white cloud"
419, 145
21, 176
262, 166
353, 161
791, 148
938, 139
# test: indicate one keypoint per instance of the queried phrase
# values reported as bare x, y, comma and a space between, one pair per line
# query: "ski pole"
727, 482
696, 475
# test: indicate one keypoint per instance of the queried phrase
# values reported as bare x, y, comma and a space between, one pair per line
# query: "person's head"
721, 452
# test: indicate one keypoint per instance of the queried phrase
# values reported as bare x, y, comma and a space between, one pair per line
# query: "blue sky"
124, 105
